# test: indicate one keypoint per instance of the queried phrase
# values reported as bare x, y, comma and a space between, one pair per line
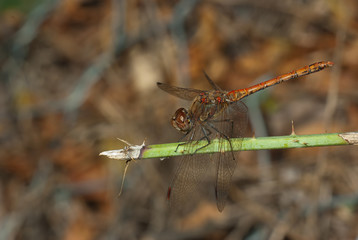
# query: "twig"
247, 144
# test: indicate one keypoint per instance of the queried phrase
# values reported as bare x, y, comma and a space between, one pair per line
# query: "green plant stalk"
251, 144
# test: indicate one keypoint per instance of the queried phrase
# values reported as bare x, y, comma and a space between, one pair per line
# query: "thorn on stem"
292, 129
253, 135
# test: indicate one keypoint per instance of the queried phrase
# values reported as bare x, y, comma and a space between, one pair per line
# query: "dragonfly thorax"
181, 120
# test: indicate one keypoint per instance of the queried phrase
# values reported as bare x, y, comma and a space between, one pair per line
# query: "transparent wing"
183, 93
212, 83
231, 123
190, 174
193, 171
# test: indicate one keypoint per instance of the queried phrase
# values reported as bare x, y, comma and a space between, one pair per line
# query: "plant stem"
245, 144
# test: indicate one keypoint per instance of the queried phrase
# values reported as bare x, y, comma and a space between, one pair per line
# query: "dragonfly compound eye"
181, 120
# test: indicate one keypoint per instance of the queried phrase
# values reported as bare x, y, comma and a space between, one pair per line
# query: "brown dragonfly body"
215, 114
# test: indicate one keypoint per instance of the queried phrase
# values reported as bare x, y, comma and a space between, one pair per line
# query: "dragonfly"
214, 114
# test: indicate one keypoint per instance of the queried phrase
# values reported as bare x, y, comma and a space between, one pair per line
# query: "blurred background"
77, 74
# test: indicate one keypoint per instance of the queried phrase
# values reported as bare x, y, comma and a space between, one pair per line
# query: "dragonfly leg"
224, 120
184, 143
206, 136
224, 135
181, 144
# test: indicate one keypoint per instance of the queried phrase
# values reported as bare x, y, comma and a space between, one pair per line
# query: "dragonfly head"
181, 120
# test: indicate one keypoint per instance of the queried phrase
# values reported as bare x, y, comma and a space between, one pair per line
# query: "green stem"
247, 144
250, 144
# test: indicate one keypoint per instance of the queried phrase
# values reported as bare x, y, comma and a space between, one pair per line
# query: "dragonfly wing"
226, 165
231, 123
216, 87
180, 186
190, 173
183, 93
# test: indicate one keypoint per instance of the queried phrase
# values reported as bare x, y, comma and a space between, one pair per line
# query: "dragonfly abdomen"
237, 95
